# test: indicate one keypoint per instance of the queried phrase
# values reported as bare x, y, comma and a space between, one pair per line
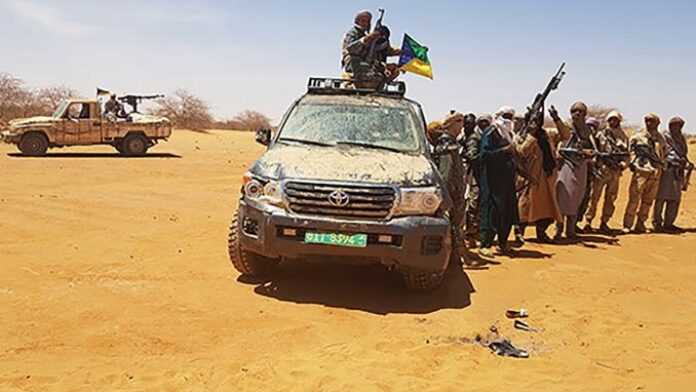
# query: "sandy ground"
114, 276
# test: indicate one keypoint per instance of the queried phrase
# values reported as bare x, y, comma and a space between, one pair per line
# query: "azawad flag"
414, 58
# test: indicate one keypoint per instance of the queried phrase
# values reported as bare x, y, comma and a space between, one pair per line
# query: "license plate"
347, 240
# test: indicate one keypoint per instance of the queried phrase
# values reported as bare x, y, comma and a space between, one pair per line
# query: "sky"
638, 56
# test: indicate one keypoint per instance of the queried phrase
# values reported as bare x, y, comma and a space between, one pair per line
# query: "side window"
84, 112
73, 111
78, 111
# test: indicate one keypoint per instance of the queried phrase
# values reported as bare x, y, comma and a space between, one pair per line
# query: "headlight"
262, 191
418, 201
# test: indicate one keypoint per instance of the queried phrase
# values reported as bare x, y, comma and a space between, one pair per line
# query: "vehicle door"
70, 134
90, 124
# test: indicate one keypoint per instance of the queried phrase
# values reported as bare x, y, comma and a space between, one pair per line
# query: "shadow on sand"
95, 155
371, 289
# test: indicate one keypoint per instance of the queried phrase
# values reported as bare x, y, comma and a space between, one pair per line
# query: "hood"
39, 120
349, 164
147, 119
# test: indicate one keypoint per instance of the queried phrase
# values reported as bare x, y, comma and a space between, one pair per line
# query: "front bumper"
417, 242
7, 137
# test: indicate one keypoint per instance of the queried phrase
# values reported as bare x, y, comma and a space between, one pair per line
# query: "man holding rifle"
362, 50
674, 178
647, 148
611, 140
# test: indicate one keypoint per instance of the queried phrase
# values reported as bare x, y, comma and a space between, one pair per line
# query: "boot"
640, 228
604, 228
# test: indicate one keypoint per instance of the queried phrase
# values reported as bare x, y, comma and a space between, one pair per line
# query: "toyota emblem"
339, 198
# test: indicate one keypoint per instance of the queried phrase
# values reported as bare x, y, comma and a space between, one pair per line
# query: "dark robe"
497, 188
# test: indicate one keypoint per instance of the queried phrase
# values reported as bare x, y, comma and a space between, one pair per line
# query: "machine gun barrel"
135, 100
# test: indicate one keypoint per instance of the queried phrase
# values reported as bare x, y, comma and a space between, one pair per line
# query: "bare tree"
185, 110
16, 100
49, 98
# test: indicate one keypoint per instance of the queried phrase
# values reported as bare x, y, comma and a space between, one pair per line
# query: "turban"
676, 120
614, 114
579, 105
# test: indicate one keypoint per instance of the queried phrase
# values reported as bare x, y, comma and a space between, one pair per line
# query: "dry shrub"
17, 100
247, 120
185, 110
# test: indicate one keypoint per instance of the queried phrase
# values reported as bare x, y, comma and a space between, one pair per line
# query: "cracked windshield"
364, 126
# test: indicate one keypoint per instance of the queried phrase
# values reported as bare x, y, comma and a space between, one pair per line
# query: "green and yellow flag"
414, 58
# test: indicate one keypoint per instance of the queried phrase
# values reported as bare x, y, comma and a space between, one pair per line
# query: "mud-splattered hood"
32, 121
350, 164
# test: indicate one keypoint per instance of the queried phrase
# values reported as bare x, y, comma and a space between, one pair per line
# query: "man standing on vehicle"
356, 48
673, 179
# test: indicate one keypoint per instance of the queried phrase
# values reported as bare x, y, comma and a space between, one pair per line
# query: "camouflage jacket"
653, 143
611, 140
354, 48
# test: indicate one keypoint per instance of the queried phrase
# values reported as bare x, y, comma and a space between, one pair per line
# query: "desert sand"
114, 276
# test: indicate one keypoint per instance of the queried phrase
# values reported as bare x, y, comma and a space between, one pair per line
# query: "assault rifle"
642, 151
682, 161
611, 159
540, 99
134, 100
373, 45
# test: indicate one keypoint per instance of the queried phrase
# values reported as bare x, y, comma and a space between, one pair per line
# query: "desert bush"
17, 100
247, 120
185, 110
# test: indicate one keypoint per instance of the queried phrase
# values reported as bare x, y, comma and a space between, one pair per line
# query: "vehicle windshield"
391, 128
61, 109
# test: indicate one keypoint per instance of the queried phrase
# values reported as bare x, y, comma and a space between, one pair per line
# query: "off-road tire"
245, 262
422, 281
135, 145
33, 144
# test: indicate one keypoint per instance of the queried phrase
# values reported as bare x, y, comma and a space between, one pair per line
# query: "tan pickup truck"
79, 122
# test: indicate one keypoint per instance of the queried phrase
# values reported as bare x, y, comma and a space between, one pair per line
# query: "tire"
422, 281
246, 263
33, 144
135, 145
119, 147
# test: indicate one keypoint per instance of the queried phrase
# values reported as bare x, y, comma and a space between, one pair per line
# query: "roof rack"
348, 86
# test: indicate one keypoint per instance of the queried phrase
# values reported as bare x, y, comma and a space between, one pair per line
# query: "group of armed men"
500, 178
507, 171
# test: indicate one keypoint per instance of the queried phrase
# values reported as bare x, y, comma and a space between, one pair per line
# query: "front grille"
359, 202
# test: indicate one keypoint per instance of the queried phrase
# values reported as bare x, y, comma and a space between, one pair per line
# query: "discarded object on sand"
511, 313
504, 348
521, 325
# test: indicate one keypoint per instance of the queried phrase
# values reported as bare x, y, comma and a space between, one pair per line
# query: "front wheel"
33, 144
245, 262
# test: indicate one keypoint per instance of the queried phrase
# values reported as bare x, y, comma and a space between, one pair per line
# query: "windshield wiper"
368, 145
303, 141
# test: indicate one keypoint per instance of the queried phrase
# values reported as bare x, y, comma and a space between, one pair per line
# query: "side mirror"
263, 136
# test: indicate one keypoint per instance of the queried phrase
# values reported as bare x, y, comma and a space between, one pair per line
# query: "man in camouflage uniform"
356, 49
612, 139
673, 180
647, 149
472, 146
444, 134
